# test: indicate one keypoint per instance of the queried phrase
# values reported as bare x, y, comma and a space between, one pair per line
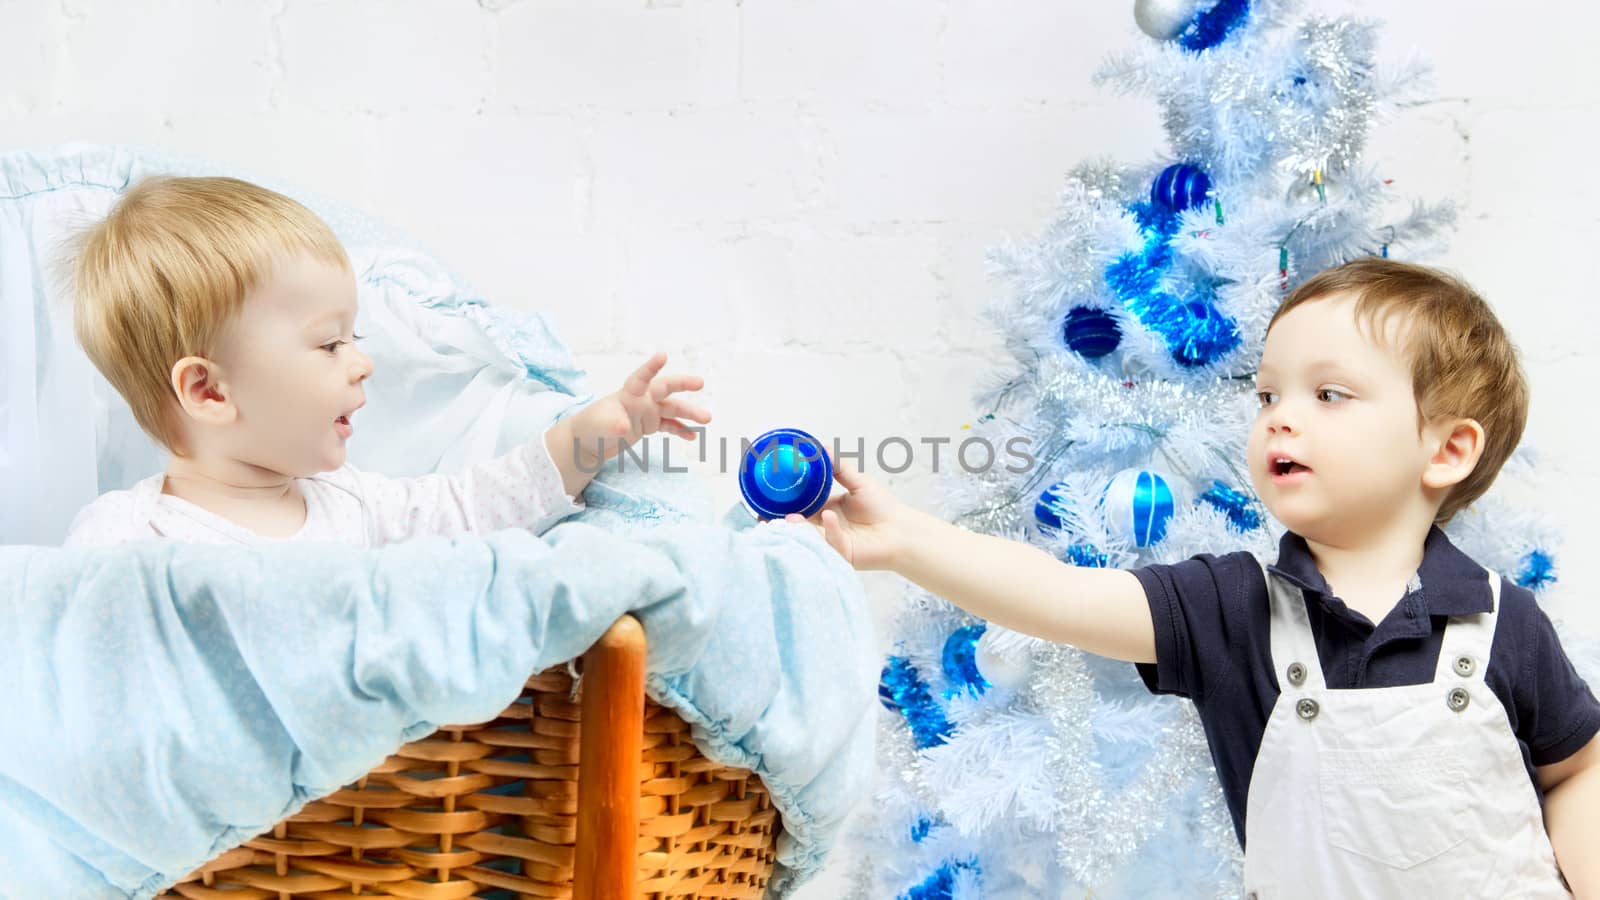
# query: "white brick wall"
794, 196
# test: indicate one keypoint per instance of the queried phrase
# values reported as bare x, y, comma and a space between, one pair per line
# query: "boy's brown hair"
1463, 365
162, 275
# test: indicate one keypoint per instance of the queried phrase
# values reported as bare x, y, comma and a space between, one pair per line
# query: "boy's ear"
201, 393
1457, 445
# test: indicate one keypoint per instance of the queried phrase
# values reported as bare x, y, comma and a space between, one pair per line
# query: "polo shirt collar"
1451, 583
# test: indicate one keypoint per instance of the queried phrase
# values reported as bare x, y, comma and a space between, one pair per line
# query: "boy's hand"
868, 526
645, 405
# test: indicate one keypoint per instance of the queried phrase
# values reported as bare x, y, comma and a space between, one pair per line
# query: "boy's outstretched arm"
1006, 582
1572, 817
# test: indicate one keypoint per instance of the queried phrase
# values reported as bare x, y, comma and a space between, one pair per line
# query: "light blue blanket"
164, 702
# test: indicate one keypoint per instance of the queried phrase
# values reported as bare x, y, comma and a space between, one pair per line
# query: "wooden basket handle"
610, 742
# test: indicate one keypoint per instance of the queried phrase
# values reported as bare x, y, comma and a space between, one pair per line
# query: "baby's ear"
1457, 445
198, 384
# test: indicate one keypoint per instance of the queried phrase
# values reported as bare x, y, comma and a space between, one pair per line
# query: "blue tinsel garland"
903, 690
1195, 331
1241, 510
1213, 26
1538, 570
941, 885
1086, 555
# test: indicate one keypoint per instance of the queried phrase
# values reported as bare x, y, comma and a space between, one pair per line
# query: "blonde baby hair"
164, 272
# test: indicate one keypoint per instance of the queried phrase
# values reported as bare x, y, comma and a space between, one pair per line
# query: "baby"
1387, 718
224, 313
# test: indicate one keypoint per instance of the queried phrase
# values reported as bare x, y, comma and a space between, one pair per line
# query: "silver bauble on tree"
1002, 660
1314, 189
1164, 19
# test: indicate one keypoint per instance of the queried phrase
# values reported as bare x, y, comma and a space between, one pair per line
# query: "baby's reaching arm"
534, 485
1006, 582
581, 443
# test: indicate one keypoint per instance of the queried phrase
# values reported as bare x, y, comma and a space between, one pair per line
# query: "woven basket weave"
603, 798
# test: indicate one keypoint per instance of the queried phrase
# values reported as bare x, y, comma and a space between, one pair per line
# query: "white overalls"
1406, 792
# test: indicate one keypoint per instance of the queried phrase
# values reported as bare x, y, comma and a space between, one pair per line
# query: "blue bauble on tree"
1215, 25
1201, 334
1052, 505
1137, 506
1091, 333
1179, 187
960, 661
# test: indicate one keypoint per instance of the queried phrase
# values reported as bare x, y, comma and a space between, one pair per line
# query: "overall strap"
1464, 651
1294, 650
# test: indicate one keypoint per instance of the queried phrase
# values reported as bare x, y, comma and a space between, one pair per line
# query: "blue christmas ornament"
960, 663
1240, 509
902, 690
1180, 186
1091, 333
1052, 505
1213, 26
1538, 570
785, 471
1137, 506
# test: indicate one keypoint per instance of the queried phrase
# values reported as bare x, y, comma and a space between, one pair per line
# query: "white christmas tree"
1014, 767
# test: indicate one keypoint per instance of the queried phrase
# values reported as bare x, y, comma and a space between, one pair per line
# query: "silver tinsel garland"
1100, 829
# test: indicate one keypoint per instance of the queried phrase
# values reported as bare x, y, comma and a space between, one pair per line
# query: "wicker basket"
602, 797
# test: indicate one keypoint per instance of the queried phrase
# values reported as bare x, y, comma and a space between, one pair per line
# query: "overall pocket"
1396, 807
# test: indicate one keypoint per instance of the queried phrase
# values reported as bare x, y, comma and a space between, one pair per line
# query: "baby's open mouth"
1283, 465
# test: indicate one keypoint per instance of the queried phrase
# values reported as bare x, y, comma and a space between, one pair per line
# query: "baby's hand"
645, 405
868, 526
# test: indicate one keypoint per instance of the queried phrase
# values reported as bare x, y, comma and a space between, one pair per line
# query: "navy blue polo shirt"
1212, 646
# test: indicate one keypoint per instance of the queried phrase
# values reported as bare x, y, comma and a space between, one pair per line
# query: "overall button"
1307, 709
1458, 698
1465, 666
1297, 674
